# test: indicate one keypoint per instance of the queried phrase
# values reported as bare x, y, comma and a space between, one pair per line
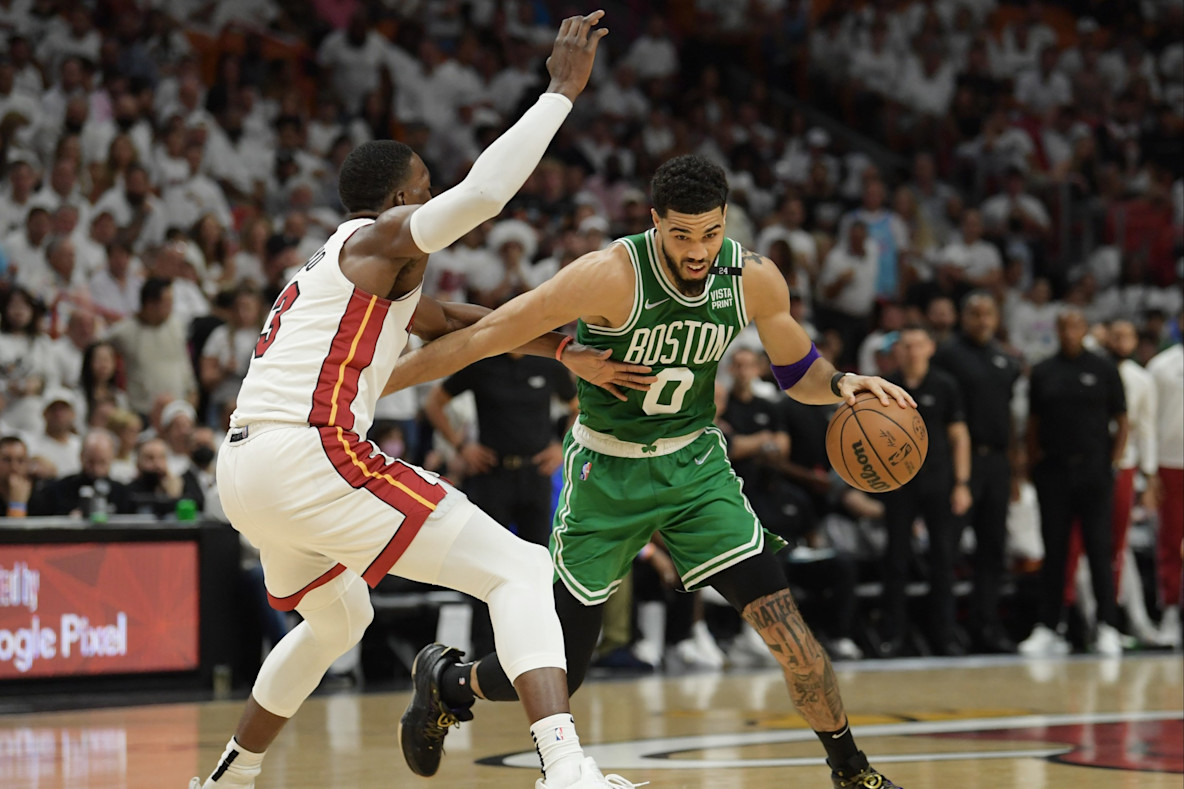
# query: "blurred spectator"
1031, 327
58, 443
653, 55
90, 492
154, 490
353, 56
969, 261
67, 352
177, 422
847, 286
25, 359
515, 243
141, 214
24, 248
939, 493
1167, 370
886, 228
230, 347
16, 486
115, 290
126, 426
16, 198
98, 381
152, 344
1043, 88
1073, 398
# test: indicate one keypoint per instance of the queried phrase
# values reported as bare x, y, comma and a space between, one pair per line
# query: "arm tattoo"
813, 687
751, 258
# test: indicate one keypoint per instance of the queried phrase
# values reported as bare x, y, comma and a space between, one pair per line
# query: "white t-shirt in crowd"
1167, 368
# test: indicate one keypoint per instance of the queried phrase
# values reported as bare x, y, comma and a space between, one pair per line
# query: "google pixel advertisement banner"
98, 608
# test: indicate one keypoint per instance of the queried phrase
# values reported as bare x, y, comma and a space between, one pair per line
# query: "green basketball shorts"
610, 506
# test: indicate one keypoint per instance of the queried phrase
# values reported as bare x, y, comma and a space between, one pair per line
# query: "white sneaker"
1169, 627
706, 643
1109, 641
749, 650
846, 649
649, 651
693, 656
1044, 643
592, 778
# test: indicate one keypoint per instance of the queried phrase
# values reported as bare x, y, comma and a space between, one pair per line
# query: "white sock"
238, 767
559, 749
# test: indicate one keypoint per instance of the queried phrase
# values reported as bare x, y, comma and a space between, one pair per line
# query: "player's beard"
687, 287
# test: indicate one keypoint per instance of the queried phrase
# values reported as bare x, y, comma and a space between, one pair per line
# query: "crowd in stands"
167, 164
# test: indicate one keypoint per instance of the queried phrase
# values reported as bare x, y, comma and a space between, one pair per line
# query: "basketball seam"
872, 447
842, 454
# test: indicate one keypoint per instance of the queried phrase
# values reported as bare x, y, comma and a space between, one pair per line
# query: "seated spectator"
16, 485
59, 444
89, 493
115, 290
126, 426
25, 248
67, 352
24, 359
199, 478
230, 347
99, 382
970, 262
155, 490
177, 420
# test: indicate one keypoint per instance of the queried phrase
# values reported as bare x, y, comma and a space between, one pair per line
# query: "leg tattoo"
813, 687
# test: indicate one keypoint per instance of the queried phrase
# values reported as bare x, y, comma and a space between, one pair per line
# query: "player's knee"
344, 621
536, 566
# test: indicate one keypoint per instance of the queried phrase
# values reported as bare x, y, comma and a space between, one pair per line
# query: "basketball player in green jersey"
669, 301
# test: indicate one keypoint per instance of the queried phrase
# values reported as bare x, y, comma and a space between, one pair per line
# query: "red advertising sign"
98, 608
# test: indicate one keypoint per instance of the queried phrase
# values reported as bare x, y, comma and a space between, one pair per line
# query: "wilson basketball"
876, 447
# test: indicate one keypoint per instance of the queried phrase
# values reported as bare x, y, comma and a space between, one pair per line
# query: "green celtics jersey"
680, 337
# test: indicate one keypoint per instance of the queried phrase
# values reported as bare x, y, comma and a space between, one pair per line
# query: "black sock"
841, 753
455, 688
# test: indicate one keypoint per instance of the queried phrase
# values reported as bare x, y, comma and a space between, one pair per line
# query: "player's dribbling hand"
851, 385
594, 366
570, 63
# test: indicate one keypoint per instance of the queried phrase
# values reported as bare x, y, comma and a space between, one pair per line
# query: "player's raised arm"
500, 171
596, 284
800, 371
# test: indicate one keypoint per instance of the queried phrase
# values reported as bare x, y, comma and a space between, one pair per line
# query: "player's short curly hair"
371, 172
689, 184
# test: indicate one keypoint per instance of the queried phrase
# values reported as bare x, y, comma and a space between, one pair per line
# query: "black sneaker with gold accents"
427, 719
858, 774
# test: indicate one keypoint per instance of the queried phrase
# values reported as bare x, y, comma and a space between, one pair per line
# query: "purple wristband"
788, 375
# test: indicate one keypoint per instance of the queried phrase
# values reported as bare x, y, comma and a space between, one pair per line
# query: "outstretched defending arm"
500, 171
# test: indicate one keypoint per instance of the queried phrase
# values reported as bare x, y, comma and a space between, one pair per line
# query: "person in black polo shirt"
939, 492
509, 467
986, 375
1074, 397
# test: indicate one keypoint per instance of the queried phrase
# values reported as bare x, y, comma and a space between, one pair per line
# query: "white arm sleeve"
496, 176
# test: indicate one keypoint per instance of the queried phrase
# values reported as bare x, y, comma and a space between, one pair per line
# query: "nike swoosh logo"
846, 729
649, 305
699, 461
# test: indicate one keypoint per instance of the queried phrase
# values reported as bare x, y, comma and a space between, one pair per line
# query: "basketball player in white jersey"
329, 512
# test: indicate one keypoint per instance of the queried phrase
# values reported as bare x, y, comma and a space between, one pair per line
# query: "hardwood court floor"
963, 724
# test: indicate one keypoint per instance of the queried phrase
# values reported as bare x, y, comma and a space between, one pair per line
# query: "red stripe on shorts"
290, 602
362, 466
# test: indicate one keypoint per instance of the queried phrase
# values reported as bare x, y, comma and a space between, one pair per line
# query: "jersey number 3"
282, 305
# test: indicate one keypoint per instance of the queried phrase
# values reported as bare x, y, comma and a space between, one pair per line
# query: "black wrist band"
834, 383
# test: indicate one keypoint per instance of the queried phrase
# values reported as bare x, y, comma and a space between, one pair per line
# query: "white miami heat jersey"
327, 348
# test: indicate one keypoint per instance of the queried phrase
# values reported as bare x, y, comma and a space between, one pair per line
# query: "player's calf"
813, 687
